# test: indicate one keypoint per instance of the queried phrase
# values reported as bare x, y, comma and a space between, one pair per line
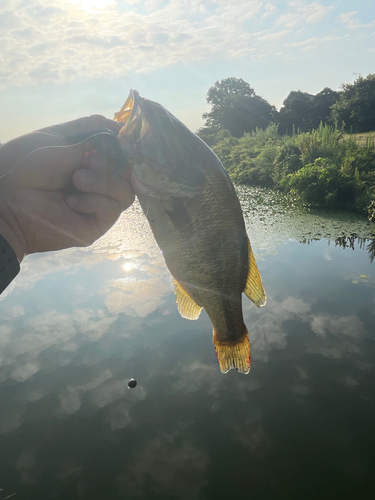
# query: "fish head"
167, 159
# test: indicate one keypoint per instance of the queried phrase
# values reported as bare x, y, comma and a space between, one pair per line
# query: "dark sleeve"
9, 265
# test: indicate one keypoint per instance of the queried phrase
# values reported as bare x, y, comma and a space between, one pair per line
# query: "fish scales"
196, 218
208, 255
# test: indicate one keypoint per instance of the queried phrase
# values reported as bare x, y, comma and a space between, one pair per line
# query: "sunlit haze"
90, 5
61, 59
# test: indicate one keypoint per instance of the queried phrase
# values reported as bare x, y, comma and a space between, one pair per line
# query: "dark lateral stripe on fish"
179, 216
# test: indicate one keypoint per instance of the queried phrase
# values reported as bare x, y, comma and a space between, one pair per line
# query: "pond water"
76, 325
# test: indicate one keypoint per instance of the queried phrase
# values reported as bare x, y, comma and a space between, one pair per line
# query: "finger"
83, 125
98, 214
111, 186
108, 162
100, 161
105, 208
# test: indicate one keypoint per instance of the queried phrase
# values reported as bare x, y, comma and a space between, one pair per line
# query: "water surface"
76, 325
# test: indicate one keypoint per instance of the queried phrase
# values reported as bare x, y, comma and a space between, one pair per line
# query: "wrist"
10, 236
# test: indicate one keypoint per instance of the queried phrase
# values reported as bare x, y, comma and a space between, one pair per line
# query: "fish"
196, 218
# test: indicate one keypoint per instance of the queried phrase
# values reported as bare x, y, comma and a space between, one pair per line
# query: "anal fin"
254, 286
185, 304
233, 355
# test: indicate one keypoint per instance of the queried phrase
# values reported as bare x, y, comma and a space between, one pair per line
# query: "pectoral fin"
254, 286
185, 304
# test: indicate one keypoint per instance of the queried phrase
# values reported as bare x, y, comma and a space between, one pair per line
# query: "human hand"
54, 195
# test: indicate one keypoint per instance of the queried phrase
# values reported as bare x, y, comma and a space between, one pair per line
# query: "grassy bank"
324, 167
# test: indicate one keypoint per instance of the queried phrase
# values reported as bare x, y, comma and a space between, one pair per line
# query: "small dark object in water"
132, 383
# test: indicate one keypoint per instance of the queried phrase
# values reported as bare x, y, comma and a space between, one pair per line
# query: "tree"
355, 109
320, 107
305, 111
295, 112
236, 107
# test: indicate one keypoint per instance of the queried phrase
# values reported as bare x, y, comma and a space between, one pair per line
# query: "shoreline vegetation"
324, 168
327, 166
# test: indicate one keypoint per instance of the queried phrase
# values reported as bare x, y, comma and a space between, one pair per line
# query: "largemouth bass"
194, 213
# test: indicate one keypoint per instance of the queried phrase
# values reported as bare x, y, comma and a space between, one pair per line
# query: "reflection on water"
77, 325
272, 219
363, 243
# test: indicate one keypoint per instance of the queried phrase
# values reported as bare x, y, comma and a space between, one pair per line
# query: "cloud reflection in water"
77, 323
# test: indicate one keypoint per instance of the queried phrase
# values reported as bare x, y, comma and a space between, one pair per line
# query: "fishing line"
132, 382
56, 147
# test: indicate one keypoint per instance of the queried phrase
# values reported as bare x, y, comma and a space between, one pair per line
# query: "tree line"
304, 149
237, 108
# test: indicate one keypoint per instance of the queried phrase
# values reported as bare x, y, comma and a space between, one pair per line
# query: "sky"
62, 59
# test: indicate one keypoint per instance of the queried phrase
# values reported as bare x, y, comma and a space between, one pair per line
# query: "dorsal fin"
254, 286
185, 304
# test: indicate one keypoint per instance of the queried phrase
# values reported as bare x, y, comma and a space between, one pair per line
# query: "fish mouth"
131, 115
144, 140
164, 156
128, 110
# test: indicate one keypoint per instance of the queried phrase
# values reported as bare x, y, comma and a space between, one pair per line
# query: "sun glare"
128, 266
90, 5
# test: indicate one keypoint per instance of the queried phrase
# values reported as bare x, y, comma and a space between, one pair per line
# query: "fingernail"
85, 176
72, 200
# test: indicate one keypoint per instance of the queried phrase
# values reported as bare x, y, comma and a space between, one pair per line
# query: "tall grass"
324, 166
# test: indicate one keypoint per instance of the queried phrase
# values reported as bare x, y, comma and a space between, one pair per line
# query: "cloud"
269, 10
349, 18
313, 41
103, 389
59, 41
301, 13
267, 331
173, 465
139, 297
273, 36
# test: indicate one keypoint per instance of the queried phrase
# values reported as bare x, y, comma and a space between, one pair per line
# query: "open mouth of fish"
133, 132
129, 108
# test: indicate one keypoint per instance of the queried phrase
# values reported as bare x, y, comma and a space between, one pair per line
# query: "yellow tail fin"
233, 355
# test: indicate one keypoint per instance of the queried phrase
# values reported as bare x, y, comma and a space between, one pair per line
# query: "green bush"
323, 167
321, 183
